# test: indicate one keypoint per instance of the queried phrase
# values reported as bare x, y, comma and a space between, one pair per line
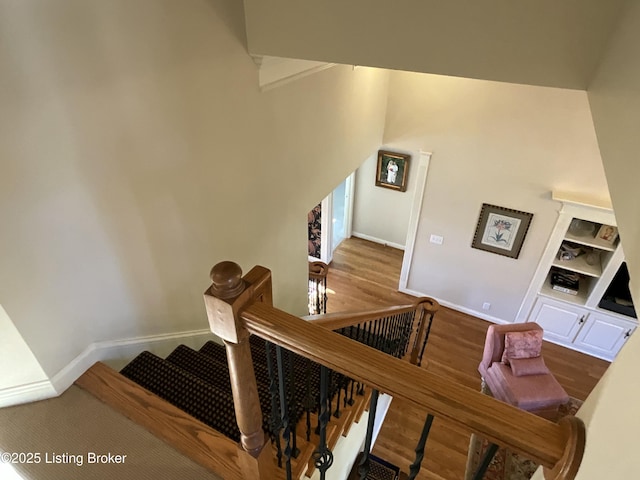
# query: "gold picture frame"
392, 171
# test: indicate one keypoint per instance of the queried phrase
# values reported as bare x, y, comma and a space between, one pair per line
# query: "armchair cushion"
527, 344
533, 392
522, 367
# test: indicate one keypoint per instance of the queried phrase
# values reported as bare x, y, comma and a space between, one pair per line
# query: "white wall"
137, 151
18, 366
496, 143
381, 214
538, 42
611, 411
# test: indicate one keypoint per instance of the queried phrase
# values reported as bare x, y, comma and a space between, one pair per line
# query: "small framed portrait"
501, 230
392, 170
607, 234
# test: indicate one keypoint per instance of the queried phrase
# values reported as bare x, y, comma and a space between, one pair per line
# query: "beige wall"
611, 411
496, 143
538, 42
382, 213
137, 151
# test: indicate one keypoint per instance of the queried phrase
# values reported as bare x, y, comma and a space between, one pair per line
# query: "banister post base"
259, 465
569, 464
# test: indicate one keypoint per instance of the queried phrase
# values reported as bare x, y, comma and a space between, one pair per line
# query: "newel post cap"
227, 280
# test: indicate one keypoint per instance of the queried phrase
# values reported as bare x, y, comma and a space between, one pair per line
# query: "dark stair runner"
198, 382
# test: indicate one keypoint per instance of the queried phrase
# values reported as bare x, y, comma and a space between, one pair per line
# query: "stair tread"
198, 383
212, 406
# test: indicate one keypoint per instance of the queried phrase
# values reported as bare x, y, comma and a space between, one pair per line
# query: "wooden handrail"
237, 306
334, 321
318, 270
424, 307
538, 439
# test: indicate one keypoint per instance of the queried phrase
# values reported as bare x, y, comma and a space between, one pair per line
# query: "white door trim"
414, 218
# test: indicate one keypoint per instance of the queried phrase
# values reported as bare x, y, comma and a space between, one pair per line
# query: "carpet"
71, 437
507, 465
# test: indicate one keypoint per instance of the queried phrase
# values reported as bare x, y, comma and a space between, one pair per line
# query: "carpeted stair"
198, 383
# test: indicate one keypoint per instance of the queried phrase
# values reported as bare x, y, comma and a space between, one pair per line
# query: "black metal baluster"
322, 457
351, 400
275, 413
414, 469
486, 461
324, 295
345, 385
406, 334
394, 335
293, 404
330, 392
401, 330
338, 413
284, 410
426, 338
367, 333
378, 335
363, 468
309, 400
401, 321
385, 334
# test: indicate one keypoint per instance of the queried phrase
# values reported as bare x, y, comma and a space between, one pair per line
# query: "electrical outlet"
437, 239
486, 306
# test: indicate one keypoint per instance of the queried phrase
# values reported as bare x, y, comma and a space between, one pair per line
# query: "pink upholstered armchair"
518, 375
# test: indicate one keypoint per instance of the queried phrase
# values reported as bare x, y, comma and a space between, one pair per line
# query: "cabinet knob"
581, 321
628, 334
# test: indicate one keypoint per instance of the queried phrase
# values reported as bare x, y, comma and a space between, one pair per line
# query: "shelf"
579, 265
579, 299
590, 242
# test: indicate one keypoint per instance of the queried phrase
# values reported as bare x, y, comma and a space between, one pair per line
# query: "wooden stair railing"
422, 313
238, 306
318, 287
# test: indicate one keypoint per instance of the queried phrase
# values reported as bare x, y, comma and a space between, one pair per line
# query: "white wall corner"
116, 353
414, 217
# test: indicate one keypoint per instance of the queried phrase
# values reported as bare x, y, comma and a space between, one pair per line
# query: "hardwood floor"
364, 275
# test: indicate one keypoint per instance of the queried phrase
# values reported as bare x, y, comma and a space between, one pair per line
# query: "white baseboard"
116, 353
456, 307
364, 236
30, 392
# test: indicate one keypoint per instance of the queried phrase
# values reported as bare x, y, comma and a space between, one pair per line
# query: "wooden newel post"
228, 294
425, 311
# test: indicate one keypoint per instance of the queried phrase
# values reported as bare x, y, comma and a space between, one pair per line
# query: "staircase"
272, 403
190, 379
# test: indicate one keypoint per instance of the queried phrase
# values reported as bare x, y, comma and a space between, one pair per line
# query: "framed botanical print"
501, 230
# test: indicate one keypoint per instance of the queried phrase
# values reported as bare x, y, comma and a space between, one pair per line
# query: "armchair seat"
539, 393
531, 393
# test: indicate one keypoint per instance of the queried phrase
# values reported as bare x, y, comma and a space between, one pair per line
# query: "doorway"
330, 221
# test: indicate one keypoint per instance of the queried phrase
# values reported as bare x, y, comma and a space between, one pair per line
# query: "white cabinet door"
560, 321
604, 335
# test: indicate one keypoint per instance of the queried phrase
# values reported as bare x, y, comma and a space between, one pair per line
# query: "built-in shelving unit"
573, 317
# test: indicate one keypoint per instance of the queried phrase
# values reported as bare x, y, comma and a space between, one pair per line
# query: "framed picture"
501, 230
392, 170
607, 234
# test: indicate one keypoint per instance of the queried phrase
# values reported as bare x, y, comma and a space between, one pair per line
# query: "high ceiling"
539, 42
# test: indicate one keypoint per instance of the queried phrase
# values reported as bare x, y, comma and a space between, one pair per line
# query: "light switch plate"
437, 239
